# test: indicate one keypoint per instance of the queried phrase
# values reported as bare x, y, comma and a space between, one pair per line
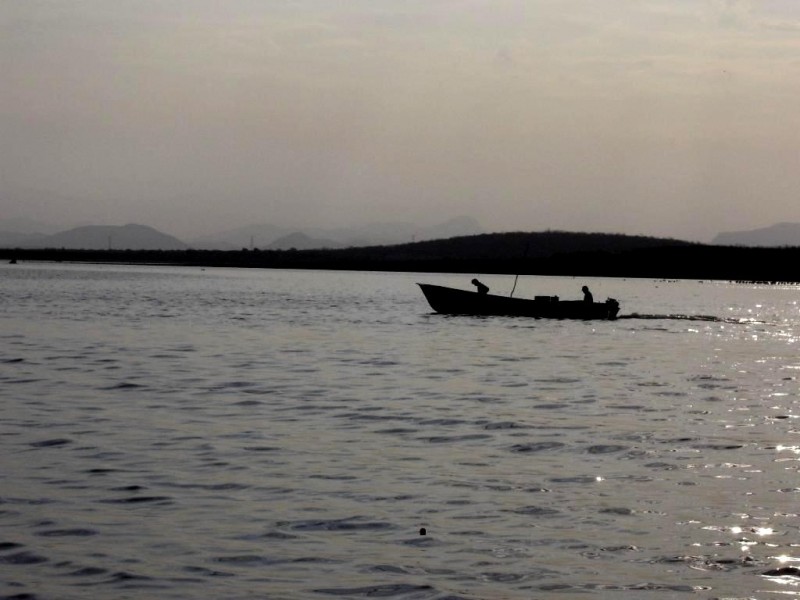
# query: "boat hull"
451, 301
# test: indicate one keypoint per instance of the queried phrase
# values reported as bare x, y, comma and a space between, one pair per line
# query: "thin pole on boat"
524, 255
511, 295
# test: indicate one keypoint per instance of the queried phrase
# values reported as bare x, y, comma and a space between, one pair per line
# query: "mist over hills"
300, 241
464, 238
22, 226
22, 232
780, 234
262, 236
273, 237
103, 237
15, 239
499, 251
90, 237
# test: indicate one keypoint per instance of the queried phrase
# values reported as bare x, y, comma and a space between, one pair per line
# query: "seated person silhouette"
587, 295
482, 289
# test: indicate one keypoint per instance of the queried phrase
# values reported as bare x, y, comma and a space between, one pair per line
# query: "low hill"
780, 234
259, 235
103, 237
301, 241
268, 236
14, 239
512, 246
545, 253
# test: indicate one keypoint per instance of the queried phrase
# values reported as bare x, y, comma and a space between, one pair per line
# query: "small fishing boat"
452, 301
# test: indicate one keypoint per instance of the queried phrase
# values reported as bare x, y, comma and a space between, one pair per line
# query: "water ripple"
177, 433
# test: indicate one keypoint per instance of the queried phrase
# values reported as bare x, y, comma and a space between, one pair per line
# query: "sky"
673, 118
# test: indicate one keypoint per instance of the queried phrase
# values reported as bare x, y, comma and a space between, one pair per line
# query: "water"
189, 433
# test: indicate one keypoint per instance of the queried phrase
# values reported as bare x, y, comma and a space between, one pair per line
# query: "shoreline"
695, 262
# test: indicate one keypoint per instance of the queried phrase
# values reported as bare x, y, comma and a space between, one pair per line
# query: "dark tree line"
544, 253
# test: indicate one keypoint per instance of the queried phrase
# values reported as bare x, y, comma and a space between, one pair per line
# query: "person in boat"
482, 288
587, 295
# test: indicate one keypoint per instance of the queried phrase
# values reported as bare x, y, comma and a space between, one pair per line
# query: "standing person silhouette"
482, 289
587, 295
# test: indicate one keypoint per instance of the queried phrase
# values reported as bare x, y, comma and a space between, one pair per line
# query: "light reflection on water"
244, 434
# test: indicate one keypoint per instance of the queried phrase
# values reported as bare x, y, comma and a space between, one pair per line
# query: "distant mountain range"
515, 253
264, 237
272, 237
21, 234
97, 237
780, 234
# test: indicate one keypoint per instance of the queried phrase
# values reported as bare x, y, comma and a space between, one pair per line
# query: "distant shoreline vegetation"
543, 253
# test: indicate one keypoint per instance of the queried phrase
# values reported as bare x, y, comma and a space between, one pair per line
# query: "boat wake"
705, 318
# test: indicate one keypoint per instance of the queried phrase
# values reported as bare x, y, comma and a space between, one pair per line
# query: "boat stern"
612, 306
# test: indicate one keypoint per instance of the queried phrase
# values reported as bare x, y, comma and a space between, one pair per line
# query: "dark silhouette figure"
482, 289
587, 295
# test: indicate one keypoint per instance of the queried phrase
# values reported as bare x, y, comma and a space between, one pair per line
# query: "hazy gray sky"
663, 117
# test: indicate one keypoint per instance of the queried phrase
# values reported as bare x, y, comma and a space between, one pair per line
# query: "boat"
452, 301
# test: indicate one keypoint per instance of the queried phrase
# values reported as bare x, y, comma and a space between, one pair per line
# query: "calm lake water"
242, 434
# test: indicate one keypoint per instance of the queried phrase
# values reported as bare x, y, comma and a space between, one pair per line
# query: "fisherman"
482, 289
587, 295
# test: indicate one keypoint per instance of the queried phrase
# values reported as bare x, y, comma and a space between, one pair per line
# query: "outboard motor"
613, 308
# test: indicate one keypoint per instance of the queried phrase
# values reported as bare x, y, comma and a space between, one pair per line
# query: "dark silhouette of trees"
541, 253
